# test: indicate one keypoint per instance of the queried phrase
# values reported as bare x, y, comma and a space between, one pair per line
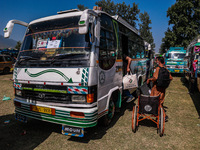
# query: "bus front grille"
47, 97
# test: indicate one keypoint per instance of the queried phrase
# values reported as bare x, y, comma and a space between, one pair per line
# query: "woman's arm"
155, 76
129, 62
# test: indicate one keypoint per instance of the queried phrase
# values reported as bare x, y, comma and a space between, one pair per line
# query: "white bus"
69, 70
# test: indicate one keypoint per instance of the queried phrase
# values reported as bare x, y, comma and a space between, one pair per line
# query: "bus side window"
107, 51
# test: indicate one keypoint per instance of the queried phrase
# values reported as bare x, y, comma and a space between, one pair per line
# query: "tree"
81, 7
127, 12
168, 41
18, 45
184, 22
144, 29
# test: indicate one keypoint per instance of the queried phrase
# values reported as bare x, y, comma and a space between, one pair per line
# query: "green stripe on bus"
61, 121
37, 114
69, 80
45, 90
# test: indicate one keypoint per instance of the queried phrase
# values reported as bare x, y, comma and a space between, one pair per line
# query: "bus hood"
56, 76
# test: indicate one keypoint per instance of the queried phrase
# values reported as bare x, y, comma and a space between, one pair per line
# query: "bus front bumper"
175, 70
58, 115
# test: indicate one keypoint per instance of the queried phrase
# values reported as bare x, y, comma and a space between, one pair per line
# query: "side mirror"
84, 23
9, 27
85, 20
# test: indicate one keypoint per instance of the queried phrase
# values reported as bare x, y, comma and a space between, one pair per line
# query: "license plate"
72, 131
176, 70
20, 117
41, 109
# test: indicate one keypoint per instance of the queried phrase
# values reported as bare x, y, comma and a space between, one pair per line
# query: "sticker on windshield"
53, 44
41, 43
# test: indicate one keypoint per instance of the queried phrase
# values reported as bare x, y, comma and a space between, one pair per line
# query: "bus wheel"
191, 84
105, 120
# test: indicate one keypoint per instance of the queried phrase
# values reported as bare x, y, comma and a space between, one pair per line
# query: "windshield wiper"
26, 58
64, 56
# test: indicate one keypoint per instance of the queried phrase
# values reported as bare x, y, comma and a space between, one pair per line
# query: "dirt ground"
182, 131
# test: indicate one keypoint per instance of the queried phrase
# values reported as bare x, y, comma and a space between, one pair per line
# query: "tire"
6, 70
140, 82
161, 122
134, 118
195, 85
184, 76
106, 120
138, 91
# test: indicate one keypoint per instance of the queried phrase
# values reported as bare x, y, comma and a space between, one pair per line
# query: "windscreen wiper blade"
26, 58
64, 56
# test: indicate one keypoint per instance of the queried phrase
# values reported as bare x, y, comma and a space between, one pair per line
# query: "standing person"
126, 69
161, 79
157, 89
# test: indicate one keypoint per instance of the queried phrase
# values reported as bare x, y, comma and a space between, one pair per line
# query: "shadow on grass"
147, 123
99, 131
195, 96
177, 74
1, 73
12, 134
17, 135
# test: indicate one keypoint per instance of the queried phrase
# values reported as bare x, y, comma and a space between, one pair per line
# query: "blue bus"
174, 59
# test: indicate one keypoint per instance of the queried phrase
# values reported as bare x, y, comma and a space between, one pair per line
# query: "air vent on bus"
68, 11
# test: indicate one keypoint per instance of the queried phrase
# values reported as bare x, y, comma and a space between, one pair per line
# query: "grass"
181, 130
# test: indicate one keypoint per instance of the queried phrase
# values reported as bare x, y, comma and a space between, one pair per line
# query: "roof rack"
68, 11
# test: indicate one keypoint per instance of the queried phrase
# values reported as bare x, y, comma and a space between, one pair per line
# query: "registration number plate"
20, 117
73, 131
176, 70
42, 109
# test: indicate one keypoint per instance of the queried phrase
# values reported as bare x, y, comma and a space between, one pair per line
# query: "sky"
28, 10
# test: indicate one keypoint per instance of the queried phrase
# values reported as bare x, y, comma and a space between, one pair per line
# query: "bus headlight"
18, 92
78, 98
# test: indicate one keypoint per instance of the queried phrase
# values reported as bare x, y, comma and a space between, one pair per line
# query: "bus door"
124, 42
108, 77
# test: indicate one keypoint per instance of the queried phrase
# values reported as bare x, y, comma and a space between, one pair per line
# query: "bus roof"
58, 16
197, 44
176, 50
76, 12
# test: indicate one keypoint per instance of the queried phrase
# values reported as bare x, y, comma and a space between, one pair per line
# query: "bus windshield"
55, 40
176, 55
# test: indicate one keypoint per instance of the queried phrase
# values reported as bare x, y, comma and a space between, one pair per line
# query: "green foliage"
18, 45
81, 7
184, 22
127, 12
144, 29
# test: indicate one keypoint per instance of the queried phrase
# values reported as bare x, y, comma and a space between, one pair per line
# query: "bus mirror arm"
92, 33
9, 27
